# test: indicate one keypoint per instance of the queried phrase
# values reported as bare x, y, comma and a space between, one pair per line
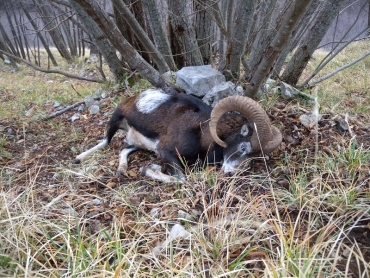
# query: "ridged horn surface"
254, 113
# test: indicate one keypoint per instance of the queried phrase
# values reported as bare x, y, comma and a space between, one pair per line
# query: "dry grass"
305, 212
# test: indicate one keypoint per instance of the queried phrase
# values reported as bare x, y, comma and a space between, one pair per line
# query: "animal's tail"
113, 125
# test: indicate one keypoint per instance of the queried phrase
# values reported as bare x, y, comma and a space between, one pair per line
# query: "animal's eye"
242, 148
245, 148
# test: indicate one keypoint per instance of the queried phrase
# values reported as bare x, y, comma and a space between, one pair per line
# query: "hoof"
76, 161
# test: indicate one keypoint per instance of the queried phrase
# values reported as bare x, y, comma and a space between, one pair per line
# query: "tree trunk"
236, 46
18, 49
160, 37
291, 18
4, 47
182, 27
203, 29
141, 35
39, 35
129, 54
52, 26
104, 46
269, 14
67, 30
297, 35
313, 36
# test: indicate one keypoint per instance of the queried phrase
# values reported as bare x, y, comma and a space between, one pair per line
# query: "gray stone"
170, 76
287, 91
10, 132
56, 104
343, 125
29, 112
93, 59
97, 202
221, 91
81, 108
94, 109
90, 101
75, 117
98, 92
198, 80
309, 119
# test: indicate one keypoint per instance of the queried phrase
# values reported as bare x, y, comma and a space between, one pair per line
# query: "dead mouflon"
180, 127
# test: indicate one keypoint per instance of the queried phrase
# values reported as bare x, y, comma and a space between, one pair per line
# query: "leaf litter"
39, 154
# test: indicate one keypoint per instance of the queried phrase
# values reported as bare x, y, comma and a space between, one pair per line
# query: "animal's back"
155, 112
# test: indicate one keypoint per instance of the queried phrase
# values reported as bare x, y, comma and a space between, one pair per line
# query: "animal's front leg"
123, 160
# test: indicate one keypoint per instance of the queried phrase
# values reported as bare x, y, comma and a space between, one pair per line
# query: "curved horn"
275, 142
269, 137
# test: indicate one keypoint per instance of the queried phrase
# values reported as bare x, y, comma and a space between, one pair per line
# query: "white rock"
177, 231
56, 104
170, 76
198, 80
29, 112
96, 202
309, 119
75, 117
287, 91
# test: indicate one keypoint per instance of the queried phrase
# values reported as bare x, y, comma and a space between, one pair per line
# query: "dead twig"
51, 71
60, 112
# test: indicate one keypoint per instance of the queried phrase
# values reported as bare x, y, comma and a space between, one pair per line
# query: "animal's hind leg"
123, 160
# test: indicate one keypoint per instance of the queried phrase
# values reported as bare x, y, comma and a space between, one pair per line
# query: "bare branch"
337, 70
327, 59
292, 17
60, 112
51, 71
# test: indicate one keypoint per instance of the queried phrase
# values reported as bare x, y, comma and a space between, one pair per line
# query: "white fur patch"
135, 138
150, 100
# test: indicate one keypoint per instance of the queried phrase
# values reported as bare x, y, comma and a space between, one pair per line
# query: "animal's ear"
245, 130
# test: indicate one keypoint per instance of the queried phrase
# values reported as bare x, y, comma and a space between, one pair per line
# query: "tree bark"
203, 30
160, 37
104, 46
51, 24
291, 18
182, 27
141, 35
129, 54
269, 14
236, 46
297, 35
4, 47
39, 35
